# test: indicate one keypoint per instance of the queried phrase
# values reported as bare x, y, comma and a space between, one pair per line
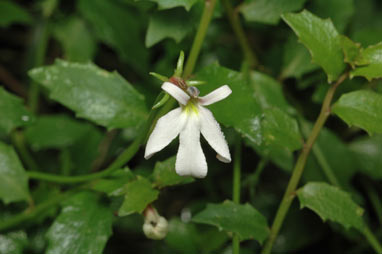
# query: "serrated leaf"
269, 11
174, 24
331, 203
76, 40
83, 226
164, 174
371, 57
280, 129
350, 49
93, 93
168, 4
138, 194
368, 153
13, 179
55, 131
246, 120
244, 220
296, 59
362, 109
120, 28
13, 114
322, 40
11, 13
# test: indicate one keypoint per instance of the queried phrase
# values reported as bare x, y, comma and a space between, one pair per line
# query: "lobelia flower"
189, 120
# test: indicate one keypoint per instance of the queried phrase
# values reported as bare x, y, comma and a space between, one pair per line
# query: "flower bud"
155, 226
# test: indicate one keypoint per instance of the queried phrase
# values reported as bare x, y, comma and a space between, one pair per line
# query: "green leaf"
331, 203
120, 28
13, 179
175, 24
269, 11
296, 60
350, 49
83, 226
280, 129
340, 12
76, 40
138, 194
93, 93
55, 131
322, 40
368, 152
371, 57
246, 120
244, 220
168, 4
11, 13
12, 112
362, 109
113, 184
13, 242
164, 174
182, 237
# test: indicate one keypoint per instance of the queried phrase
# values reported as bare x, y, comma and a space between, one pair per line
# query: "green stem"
374, 199
253, 179
42, 36
299, 167
199, 37
236, 190
372, 240
19, 142
234, 20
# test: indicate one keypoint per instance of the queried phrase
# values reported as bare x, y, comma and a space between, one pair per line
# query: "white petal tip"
223, 159
181, 96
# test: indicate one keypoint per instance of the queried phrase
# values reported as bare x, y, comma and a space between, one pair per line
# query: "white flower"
189, 120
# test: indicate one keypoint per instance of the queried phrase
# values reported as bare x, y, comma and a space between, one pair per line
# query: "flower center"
192, 106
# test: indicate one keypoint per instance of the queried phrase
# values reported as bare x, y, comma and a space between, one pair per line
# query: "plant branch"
236, 189
300, 165
234, 20
11, 82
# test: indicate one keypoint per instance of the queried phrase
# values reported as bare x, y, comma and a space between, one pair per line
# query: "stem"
236, 190
234, 20
199, 37
42, 36
374, 199
27, 158
300, 165
253, 179
372, 240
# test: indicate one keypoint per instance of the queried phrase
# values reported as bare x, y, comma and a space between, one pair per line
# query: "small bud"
193, 91
155, 226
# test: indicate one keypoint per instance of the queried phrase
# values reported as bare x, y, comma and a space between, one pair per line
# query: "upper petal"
190, 160
166, 129
215, 96
211, 132
181, 96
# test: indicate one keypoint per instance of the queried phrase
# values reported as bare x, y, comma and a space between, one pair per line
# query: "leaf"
112, 184
322, 40
246, 120
361, 108
11, 13
280, 129
350, 49
296, 60
83, 226
138, 194
182, 237
164, 174
76, 40
118, 27
168, 4
92, 93
244, 220
13, 114
331, 203
13, 242
13, 179
371, 57
340, 12
269, 11
55, 131
368, 153
174, 24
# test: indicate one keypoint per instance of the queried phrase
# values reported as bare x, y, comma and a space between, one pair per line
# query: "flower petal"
181, 96
215, 96
166, 129
190, 159
211, 132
